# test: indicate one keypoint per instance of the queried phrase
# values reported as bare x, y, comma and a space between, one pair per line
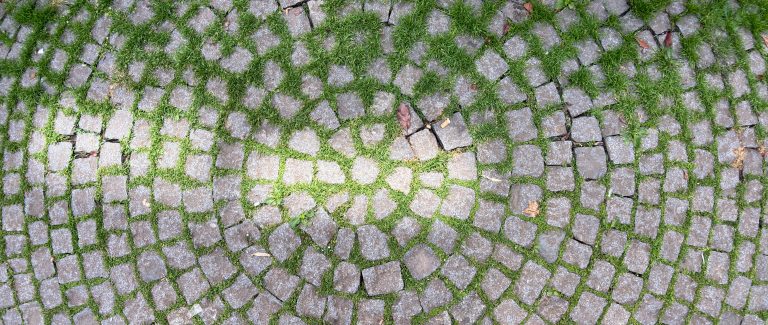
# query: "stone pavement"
233, 161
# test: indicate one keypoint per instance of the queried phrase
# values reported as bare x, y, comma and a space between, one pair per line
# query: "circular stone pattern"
382, 162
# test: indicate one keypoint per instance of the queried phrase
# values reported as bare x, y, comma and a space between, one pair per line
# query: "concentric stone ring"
383, 162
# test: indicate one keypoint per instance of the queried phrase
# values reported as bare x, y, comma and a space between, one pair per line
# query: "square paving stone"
520, 125
280, 283
591, 162
405, 230
230, 155
283, 242
488, 215
532, 279
217, 267
527, 161
477, 247
637, 257
383, 279
421, 261
453, 135
627, 289
310, 303
565, 282
406, 306
560, 179
59, 155
491, 65
345, 239
552, 307
521, 195
240, 292
520, 231
469, 309
492, 152
601, 276
425, 203
321, 228
509, 312
559, 153
339, 310
462, 167
373, 243
458, 203
458, 270
588, 309
435, 295
577, 253
494, 284
364, 170
346, 278
547, 95
204, 234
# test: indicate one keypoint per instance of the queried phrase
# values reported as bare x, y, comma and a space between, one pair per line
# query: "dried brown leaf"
765, 39
261, 254
506, 28
404, 116
528, 7
642, 43
741, 153
532, 210
668, 39
762, 150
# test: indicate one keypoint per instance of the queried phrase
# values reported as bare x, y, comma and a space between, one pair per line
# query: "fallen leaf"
741, 153
261, 254
765, 39
404, 116
445, 123
528, 7
642, 43
668, 39
762, 150
506, 28
473, 87
532, 210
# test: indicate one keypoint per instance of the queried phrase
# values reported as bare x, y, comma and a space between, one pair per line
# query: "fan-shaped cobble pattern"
379, 162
